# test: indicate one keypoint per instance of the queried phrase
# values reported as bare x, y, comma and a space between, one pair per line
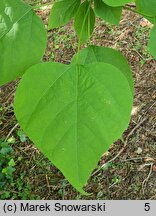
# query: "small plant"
7, 169
73, 113
11, 185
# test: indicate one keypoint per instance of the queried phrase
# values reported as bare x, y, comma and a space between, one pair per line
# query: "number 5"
147, 207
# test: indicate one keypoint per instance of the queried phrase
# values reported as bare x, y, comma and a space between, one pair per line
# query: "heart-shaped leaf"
73, 113
107, 13
22, 39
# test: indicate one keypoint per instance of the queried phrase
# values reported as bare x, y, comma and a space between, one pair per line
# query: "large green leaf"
22, 39
62, 12
152, 42
105, 12
115, 3
84, 21
73, 113
148, 7
107, 55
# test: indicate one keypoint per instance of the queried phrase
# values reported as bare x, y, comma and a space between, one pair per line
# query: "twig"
149, 164
97, 171
131, 159
138, 53
144, 183
136, 127
153, 197
48, 183
152, 105
10, 132
10, 95
125, 144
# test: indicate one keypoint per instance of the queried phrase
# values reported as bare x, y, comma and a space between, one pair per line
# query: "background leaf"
146, 7
84, 29
22, 39
115, 3
62, 12
73, 113
107, 55
107, 13
152, 42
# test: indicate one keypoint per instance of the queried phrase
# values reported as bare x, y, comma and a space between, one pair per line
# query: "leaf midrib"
5, 33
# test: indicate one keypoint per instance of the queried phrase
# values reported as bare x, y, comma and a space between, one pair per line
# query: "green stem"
89, 42
83, 24
137, 12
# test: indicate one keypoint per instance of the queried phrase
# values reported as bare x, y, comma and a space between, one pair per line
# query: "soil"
131, 172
